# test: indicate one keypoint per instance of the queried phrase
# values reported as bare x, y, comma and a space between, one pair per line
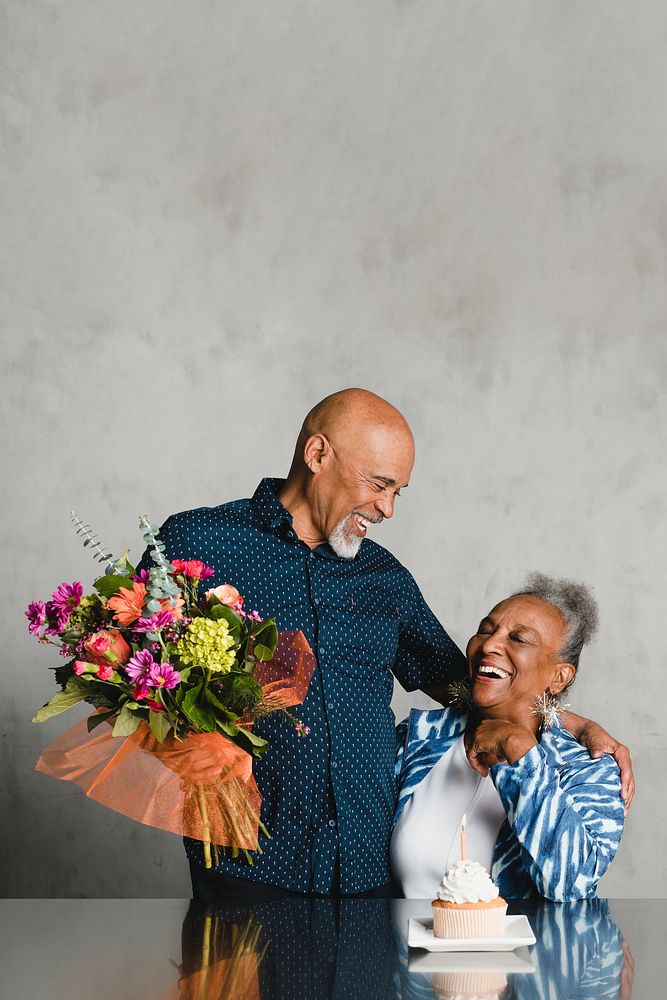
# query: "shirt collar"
274, 517
268, 508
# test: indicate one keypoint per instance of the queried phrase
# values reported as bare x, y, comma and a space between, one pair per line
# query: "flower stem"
201, 796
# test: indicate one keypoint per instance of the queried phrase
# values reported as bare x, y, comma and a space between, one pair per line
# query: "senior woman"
542, 816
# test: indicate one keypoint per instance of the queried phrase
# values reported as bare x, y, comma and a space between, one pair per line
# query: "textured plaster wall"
216, 213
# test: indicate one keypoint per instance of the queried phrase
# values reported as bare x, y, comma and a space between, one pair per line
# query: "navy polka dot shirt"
327, 799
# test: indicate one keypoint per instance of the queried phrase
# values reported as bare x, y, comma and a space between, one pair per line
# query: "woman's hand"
496, 741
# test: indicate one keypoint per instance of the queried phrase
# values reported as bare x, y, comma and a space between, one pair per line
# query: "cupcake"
471, 984
468, 904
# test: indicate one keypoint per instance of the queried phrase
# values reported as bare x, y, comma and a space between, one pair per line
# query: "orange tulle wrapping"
231, 977
202, 787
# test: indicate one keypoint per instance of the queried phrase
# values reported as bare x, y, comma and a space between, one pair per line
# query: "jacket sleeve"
567, 817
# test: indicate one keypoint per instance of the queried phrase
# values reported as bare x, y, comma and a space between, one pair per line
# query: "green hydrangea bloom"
207, 643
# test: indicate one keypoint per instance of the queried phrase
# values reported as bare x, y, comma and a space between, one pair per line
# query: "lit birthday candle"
463, 837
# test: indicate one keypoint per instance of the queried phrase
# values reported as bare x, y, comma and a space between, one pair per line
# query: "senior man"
298, 551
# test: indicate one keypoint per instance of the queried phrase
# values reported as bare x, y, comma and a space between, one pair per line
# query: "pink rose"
107, 647
228, 595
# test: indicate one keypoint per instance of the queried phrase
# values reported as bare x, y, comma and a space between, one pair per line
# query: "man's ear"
563, 675
316, 452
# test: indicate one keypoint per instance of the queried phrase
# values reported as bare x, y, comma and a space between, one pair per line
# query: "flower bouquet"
180, 675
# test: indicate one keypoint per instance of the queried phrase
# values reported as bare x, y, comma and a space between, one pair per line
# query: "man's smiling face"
359, 485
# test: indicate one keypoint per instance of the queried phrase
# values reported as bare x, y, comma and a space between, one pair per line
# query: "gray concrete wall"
216, 213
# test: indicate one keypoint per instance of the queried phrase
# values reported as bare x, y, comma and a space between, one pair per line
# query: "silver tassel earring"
460, 696
547, 707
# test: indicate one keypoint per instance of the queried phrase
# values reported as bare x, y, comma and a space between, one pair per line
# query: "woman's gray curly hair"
576, 604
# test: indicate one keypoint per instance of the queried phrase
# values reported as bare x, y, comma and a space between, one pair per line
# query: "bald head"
355, 417
354, 453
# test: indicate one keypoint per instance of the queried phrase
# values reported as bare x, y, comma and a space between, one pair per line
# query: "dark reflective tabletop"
177, 950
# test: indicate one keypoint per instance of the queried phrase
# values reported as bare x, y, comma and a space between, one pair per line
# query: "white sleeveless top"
425, 841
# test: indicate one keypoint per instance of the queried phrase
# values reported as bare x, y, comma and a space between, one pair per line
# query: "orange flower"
176, 610
106, 647
127, 604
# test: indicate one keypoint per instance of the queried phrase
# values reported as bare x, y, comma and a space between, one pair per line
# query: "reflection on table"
579, 952
139, 949
292, 948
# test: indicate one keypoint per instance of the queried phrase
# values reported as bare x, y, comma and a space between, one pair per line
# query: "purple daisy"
143, 576
36, 615
63, 601
163, 675
153, 623
138, 666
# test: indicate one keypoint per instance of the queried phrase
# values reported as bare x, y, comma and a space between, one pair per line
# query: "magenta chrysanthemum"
63, 601
138, 666
163, 675
154, 622
36, 615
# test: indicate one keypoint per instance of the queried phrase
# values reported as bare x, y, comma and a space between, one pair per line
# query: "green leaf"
263, 653
107, 586
243, 738
160, 726
218, 611
75, 691
191, 697
93, 721
267, 636
127, 722
201, 717
123, 566
220, 709
71, 636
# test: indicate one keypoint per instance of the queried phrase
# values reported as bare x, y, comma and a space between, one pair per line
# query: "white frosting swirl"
467, 882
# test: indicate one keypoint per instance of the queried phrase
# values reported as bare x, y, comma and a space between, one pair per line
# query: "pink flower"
80, 667
36, 615
154, 622
194, 568
105, 671
163, 675
106, 647
64, 599
228, 595
140, 690
138, 666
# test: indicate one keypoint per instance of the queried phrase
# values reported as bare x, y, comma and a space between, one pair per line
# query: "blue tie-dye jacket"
564, 810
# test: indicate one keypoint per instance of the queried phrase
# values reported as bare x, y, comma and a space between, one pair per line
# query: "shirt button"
332, 822
316, 601
334, 763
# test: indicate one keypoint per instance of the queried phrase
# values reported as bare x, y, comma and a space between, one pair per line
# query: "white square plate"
518, 932
517, 961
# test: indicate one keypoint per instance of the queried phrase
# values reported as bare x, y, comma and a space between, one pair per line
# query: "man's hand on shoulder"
598, 742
